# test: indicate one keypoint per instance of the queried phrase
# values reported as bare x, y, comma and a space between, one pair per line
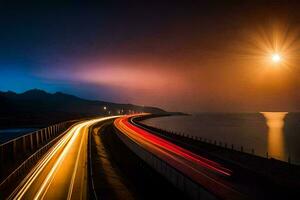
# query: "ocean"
274, 133
11, 133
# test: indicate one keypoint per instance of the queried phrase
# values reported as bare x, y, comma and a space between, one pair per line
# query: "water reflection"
275, 123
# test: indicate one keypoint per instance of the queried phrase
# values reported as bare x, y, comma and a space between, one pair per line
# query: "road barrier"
21, 153
179, 180
239, 148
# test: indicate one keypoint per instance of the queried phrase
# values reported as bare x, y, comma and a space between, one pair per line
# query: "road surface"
205, 172
62, 172
108, 182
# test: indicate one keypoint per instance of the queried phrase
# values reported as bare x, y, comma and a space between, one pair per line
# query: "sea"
11, 133
267, 134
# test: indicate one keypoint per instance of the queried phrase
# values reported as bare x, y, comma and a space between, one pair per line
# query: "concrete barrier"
179, 180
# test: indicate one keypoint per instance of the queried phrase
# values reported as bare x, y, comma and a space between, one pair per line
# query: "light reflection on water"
276, 139
274, 132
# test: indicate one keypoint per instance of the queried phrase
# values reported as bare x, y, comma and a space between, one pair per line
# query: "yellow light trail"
64, 162
39, 167
50, 176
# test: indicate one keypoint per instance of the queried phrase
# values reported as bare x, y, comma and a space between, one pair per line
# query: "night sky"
204, 56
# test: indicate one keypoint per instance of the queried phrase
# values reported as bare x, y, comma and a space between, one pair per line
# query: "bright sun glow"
276, 58
275, 44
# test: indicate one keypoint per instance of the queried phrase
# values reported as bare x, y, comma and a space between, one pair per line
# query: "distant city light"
104, 108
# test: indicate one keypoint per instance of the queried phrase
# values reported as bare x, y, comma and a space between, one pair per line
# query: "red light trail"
205, 172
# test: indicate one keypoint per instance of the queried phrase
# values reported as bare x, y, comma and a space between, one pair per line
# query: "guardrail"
21, 153
185, 137
179, 180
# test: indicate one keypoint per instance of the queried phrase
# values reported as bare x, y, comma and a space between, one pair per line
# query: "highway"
62, 171
210, 174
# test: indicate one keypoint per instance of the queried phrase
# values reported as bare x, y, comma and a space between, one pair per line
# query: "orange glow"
275, 123
276, 58
63, 163
274, 43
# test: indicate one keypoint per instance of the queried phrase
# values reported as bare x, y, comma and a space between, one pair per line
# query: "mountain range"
37, 108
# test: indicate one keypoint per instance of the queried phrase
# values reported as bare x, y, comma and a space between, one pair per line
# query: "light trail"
38, 168
64, 163
209, 164
203, 171
74, 172
50, 176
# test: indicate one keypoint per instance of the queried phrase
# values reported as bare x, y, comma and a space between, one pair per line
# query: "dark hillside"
37, 108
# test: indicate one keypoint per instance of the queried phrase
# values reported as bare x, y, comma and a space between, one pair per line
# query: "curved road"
62, 172
209, 174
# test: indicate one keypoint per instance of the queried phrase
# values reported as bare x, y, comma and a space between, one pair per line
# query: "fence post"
47, 131
15, 149
31, 142
24, 143
46, 134
57, 129
242, 149
267, 155
42, 135
37, 138
50, 131
53, 130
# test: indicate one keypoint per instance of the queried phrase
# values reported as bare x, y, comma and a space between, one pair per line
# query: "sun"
275, 44
276, 58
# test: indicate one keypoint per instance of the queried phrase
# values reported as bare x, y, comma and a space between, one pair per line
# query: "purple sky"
205, 56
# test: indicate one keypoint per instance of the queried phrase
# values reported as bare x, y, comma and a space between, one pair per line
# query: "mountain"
37, 107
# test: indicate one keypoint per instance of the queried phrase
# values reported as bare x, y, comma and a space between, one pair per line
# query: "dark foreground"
259, 177
115, 172
136, 180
